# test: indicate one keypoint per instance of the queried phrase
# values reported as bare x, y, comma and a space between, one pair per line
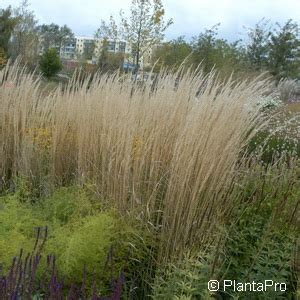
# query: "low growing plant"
263, 232
25, 280
81, 234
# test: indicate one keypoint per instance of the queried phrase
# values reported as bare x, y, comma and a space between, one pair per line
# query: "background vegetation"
267, 47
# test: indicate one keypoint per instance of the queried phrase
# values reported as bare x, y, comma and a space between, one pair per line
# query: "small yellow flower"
136, 147
41, 137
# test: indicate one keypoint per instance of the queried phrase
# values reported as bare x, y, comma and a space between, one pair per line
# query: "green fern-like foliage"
18, 225
82, 243
67, 204
80, 234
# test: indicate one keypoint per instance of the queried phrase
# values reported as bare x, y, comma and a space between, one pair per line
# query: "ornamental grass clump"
166, 150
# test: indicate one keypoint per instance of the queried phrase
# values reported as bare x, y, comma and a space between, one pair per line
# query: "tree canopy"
50, 63
142, 29
53, 35
7, 25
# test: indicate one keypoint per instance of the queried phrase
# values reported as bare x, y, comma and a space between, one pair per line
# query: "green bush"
17, 228
50, 63
260, 238
82, 243
184, 280
80, 234
263, 230
66, 204
257, 253
271, 147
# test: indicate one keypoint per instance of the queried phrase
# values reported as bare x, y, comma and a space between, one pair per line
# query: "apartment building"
113, 46
68, 49
89, 49
84, 46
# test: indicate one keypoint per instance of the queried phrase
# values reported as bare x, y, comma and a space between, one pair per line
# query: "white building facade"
89, 49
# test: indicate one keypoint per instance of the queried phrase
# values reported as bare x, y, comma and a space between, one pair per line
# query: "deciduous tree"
172, 54
25, 40
7, 24
53, 35
144, 27
284, 51
213, 52
258, 45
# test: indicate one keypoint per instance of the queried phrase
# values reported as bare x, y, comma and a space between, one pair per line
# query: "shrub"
288, 88
269, 102
67, 204
184, 280
255, 252
270, 148
262, 234
50, 63
25, 279
279, 138
17, 230
80, 234
82, 243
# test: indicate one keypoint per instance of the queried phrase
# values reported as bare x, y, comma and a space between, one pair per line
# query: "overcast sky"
190, 16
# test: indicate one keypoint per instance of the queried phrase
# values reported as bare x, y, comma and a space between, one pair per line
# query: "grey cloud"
190, 16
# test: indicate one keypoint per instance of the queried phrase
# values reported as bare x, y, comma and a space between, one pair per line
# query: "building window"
122, 47
112, 46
